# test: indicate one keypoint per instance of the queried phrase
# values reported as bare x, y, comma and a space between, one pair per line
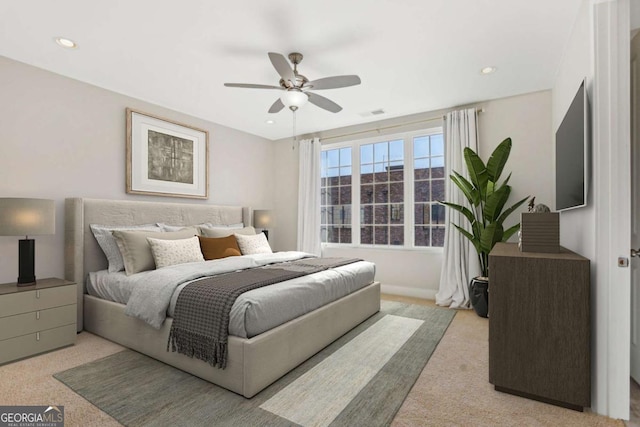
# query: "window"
386, 189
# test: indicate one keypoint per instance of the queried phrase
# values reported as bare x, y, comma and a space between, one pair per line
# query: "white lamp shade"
294, 98
262, 218
27, 217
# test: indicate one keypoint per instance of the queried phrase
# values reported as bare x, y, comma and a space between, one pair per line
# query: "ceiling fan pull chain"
295, 137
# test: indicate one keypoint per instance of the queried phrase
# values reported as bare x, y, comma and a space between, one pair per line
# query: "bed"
253, 363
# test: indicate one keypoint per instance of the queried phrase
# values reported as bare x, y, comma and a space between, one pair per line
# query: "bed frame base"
254, 363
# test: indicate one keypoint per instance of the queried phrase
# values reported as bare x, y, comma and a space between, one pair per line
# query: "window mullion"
408, 192
355, 194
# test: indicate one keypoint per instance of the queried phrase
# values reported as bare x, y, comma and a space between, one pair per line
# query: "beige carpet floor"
453, 389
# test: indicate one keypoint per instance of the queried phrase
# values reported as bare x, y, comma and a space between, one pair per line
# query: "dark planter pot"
479, 295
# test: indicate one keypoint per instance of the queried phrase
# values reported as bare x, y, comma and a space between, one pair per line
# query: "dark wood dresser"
539, 327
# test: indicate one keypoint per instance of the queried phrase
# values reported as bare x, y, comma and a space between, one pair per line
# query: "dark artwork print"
170, 158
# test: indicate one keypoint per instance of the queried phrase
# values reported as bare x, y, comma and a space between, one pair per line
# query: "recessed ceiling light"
488, 70
67, 43
270, 122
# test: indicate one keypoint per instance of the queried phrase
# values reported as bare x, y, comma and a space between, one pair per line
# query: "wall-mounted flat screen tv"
572, 154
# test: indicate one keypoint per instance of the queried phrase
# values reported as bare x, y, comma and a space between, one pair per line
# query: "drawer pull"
37, 336
38, 294
37, 315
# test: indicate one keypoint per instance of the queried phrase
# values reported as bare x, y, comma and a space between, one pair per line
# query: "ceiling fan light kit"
294, 98
297, 87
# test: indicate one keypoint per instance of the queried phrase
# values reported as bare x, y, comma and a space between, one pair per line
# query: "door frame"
612, 176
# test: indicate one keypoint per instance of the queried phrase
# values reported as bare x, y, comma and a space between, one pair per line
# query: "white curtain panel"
461, 130
309, 197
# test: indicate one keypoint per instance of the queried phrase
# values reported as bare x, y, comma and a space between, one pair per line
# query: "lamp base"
26, 262
26, 281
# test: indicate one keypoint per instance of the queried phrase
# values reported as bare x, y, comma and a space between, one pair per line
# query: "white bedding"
255, 311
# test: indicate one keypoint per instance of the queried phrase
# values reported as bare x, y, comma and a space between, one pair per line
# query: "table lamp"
262, 219
26, 217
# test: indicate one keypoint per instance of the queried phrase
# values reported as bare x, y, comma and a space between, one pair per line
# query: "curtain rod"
430, 119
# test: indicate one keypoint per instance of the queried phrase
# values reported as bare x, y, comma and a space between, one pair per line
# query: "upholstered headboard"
82, 253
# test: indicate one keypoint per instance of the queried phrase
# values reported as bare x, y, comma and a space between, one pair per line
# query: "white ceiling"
412, 55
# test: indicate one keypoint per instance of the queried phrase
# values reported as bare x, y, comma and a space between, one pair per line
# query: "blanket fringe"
199, 346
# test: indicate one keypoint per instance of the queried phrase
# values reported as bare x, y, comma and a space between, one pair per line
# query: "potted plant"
487, 199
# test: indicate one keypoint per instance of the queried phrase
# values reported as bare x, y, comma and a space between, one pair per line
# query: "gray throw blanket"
200, 325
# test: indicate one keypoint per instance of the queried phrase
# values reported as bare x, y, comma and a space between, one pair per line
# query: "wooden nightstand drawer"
27, 323
37, 299
39, 342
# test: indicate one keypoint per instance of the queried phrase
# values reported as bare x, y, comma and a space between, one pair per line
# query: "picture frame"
166, 158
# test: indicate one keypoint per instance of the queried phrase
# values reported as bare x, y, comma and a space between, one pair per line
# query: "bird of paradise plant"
486, 199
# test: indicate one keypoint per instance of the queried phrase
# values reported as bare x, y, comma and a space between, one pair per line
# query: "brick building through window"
395, 188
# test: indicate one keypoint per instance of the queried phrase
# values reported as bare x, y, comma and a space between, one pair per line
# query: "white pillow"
168, 227
225, 231
107, 242
172, 252
253, 244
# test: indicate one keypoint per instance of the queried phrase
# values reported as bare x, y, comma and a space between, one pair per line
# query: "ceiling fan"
297, 87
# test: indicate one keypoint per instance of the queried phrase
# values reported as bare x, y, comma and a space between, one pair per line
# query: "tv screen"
571, 155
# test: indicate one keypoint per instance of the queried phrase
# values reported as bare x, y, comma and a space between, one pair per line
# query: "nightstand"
37, 318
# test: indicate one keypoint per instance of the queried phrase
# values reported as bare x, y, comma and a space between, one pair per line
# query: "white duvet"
151, 295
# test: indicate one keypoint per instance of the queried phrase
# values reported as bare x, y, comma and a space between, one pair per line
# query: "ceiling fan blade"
252, 86
323, 102
277, 106
282, 66
334, 82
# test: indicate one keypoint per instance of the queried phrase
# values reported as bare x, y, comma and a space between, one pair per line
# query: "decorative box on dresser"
539, 327
36, 318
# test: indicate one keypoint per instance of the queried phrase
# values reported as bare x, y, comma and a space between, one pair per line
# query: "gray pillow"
135, 249
107, 242
225, 232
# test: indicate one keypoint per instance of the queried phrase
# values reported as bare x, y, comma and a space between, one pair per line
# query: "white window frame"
408, 180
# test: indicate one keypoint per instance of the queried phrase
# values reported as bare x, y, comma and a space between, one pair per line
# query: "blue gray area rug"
361, 379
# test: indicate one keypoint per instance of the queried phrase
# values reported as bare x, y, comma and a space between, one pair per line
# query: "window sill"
435, 250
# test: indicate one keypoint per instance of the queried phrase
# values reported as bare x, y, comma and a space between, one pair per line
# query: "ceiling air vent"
373, 113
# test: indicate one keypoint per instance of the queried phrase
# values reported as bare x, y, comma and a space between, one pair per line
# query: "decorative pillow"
224, 232
136, 252
172, 252
107, 242
256, 244
216, 248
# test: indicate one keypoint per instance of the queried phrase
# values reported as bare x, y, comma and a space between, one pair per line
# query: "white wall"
577, 227
527, 120
524, 118
63, 138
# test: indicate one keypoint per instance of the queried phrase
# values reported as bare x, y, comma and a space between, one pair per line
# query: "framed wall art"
165, 158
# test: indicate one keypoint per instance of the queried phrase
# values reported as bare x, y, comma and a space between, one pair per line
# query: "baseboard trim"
409, 292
